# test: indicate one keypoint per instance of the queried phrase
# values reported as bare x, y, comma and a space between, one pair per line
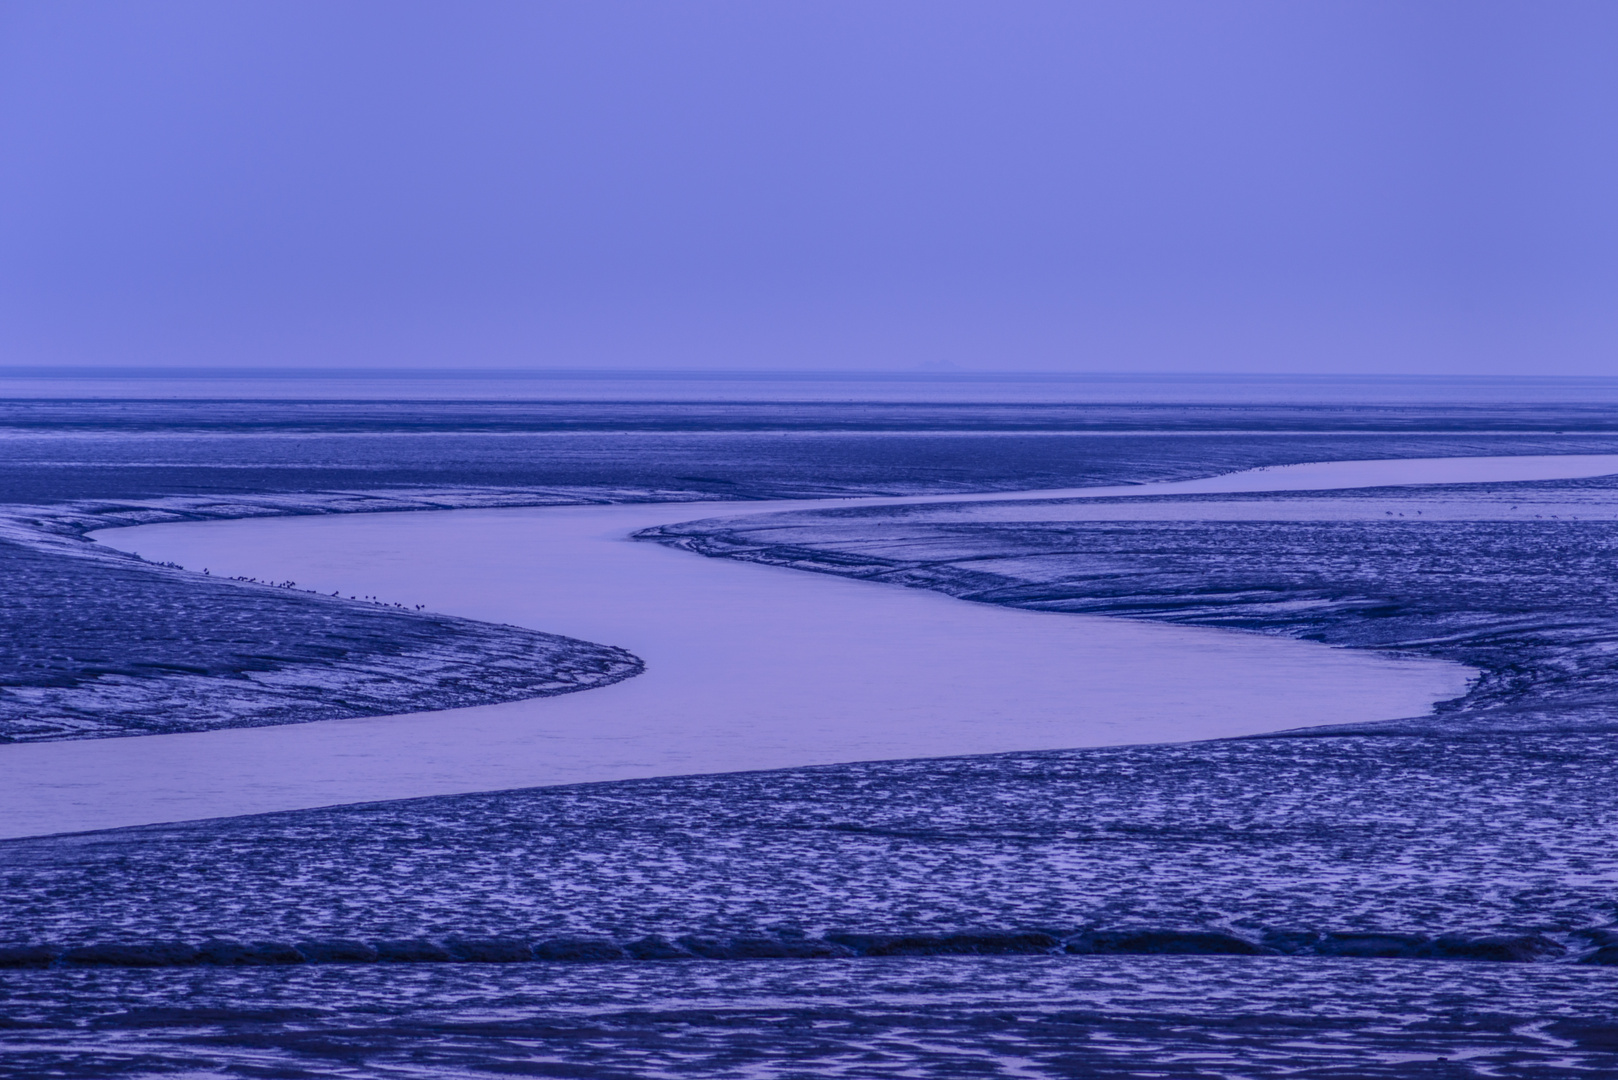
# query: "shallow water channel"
748, 667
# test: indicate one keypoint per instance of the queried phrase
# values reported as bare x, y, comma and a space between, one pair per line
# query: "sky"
1413, 186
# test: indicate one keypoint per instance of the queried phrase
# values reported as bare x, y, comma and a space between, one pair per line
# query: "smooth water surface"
749, 667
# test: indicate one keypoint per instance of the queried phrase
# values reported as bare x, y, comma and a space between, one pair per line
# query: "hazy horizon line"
758, 374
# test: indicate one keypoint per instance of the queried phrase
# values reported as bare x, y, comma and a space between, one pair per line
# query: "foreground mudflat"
1178, 1017
1394, 833
1399, 837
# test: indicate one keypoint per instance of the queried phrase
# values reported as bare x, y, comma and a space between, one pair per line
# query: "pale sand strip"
749, 667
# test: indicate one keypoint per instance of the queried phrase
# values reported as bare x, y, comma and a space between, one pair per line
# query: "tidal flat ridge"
99, 646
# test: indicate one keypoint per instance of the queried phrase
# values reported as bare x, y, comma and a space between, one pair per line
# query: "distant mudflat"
748, 667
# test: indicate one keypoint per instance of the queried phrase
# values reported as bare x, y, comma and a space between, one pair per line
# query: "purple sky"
1197, 185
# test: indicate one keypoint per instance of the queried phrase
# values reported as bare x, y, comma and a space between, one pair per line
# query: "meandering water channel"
748, 667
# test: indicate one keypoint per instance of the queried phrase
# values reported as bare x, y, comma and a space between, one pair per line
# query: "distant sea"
562, 385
